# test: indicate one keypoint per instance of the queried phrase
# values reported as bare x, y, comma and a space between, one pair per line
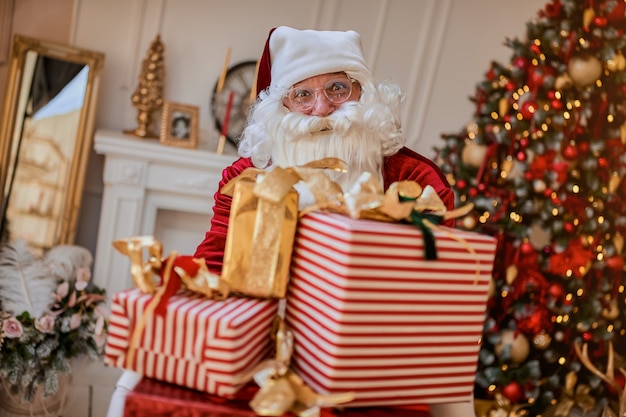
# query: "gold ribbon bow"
281, 390
143, 274
150, 276
366, 200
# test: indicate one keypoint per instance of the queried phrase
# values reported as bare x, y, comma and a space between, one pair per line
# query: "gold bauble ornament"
611, 312
516, 342
617, 63
511, 274
473, 154
614, 182
503, 106
563, 82
542, 341
584, 69
468, 222
588, 15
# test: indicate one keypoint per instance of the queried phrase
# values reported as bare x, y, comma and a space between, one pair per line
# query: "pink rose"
75, 321
83, 275
62, 290
45, 323
12, 328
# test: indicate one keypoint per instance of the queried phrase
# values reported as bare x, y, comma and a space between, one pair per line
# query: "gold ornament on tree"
148, 96
584, 69
473, 154
513, 345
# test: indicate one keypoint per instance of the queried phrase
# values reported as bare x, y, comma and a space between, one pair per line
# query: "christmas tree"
543, 162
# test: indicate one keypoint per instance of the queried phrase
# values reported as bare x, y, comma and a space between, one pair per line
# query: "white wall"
437, 50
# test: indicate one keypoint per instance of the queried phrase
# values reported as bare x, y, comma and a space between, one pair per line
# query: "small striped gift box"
370, 315
199, 343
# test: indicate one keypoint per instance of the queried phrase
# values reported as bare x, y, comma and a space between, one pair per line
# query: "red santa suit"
404, 165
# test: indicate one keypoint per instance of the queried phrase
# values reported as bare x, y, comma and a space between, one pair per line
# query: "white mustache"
339, 121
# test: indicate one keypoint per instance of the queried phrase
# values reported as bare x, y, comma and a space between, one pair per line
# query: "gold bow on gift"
403, 201
281, 390
154, 277
366, 200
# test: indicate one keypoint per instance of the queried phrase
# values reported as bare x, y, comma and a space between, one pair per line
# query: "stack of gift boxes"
369, 314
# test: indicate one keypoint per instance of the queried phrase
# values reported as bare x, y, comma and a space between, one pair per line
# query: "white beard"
298, 139
359, 133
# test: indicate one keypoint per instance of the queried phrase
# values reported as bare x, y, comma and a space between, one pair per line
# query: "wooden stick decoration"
253, 88
224, 133
220, 82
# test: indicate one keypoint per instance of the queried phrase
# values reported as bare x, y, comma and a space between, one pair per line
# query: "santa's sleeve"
211, 249
409, 165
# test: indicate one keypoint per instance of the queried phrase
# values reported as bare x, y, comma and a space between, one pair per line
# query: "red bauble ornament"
587, 337
556, 291
537, 74
512, 392
461, 184
570, 152
527, 109
600, 21
553, 10
618, 14
556, 104
535, 49
583, 147
603, 162
527, 248
521, 62
473, 192
615, 263
520, 156
569, 227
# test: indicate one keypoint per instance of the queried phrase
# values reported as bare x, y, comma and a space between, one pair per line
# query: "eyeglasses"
337, 91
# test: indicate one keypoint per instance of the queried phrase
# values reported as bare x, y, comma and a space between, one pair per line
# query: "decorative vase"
12, 405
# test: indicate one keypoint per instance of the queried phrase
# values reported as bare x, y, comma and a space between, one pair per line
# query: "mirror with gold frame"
45, 137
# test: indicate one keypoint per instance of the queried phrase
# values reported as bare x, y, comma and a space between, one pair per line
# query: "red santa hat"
292, 55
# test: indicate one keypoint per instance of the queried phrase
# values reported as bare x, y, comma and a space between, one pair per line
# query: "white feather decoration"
65, 260
26, 283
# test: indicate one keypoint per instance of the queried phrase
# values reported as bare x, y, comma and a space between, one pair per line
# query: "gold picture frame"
44, 142
179, 125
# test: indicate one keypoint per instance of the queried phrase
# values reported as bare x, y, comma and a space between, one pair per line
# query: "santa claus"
317, 99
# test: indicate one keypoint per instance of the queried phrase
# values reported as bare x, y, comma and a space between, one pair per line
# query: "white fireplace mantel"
151, 189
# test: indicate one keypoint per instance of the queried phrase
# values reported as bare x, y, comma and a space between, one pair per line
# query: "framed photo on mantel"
179, 125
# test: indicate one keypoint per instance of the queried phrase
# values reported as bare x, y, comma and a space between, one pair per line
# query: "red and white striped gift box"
199, 343
371, 315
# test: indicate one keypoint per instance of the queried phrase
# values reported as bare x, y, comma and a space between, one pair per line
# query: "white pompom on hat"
296, 55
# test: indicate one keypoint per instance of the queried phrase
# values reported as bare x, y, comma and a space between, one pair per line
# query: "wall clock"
239, 79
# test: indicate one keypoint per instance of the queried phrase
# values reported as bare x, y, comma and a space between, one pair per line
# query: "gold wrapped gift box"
261, 230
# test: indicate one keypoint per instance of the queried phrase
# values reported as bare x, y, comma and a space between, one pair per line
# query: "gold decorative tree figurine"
148, 96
